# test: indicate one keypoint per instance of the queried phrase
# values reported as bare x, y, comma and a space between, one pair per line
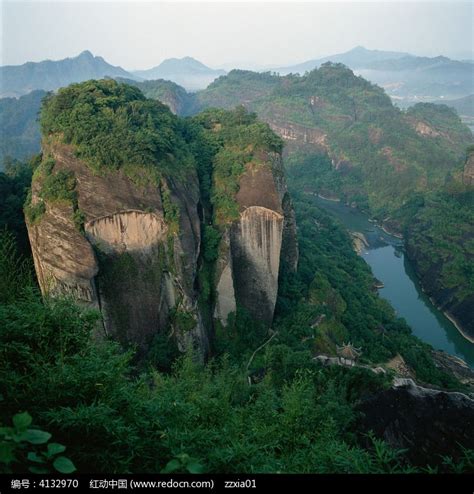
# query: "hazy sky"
136, 34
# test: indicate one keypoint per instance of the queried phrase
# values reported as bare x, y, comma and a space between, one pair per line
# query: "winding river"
385, 256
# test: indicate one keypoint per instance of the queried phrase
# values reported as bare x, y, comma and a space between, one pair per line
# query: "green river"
401, 287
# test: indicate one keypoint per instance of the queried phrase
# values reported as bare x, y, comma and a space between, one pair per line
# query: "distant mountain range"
408, 79
187, 72
16, 80
358, 57
49, 75
405, 77
464, 106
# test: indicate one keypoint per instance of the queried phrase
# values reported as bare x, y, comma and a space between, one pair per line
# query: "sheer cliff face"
255, 245
127, 259
113, 214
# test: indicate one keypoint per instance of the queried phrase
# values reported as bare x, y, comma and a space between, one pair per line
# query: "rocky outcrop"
116, 211
64, 260
427, 423
359, 242
127, 259
455, 366
300, 134
254, 247
468, 172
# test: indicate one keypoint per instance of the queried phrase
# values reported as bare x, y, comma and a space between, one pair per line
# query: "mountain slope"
378, 158
16, 80
20, 136
464, 106
187, 72
382, 155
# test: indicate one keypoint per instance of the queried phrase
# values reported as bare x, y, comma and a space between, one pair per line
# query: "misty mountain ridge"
405, 77
358, 57
187, 72
48, 75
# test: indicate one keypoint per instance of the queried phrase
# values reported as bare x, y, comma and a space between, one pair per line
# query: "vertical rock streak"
255, 245
261, 239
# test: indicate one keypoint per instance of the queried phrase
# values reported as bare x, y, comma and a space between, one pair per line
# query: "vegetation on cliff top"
233, 140
113, 126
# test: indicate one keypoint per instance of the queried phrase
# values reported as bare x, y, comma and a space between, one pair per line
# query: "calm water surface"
402, 290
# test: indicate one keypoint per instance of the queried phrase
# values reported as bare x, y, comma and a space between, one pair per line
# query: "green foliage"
297, 418
183, 463
163, 352
211, 241
34, 212
171, 211
232, 140
79, 219
14, 183
113, 126
15, 271
17, 449
59, 187
183, 320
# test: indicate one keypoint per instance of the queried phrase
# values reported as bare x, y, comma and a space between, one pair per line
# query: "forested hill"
406, 169
20, 135
383, 155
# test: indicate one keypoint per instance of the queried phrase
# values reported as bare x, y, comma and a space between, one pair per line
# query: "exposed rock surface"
126, 261
300, 133
64, 260
454, 365
359, 242
254, 247
426, 422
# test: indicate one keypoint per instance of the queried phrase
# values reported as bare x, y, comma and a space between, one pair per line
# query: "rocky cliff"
120, 239
115, 215
251, 211
126, 258
255, 243
408, 416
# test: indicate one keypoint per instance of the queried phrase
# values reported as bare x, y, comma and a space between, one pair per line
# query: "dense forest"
115, 416
261, 403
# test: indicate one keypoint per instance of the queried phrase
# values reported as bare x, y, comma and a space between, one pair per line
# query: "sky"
137, 34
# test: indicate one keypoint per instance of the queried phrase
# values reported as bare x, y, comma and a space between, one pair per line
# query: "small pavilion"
348, 351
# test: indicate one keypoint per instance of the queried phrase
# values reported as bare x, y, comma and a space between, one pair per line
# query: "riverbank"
402, 286
455, 323
385, 227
